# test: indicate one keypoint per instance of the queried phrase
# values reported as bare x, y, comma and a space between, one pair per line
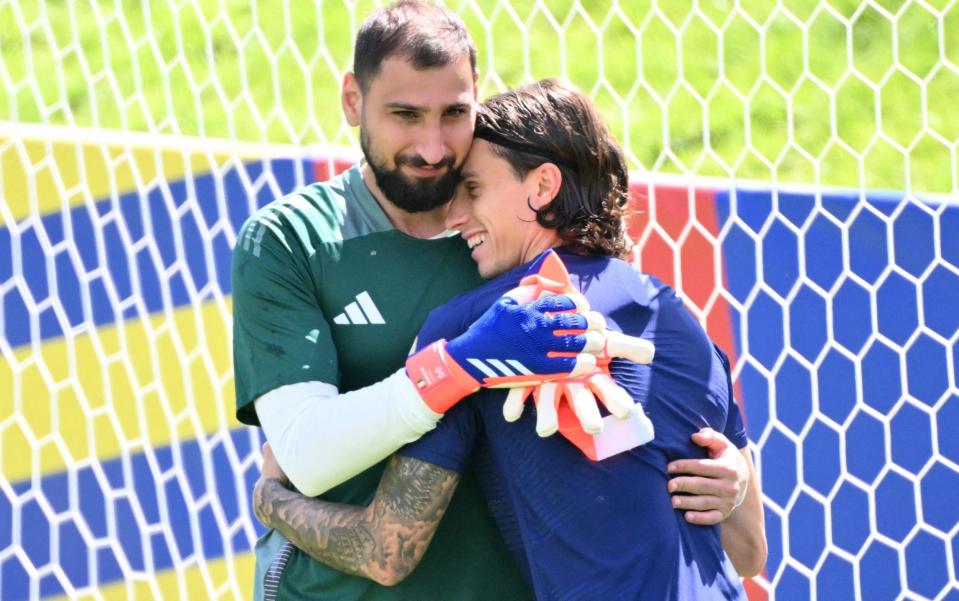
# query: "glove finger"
515, 401
522, 294
582, 305
559, 303
629, 347
585, 363
595, 342
547, 421
563, 344
613, 396
595, 321
569, 321
584, 406
546, 285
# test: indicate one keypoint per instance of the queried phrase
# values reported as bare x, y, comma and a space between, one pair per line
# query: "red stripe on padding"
676, 231
329, 167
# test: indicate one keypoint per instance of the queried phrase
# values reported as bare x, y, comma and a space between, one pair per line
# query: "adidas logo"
361, 312
494, 368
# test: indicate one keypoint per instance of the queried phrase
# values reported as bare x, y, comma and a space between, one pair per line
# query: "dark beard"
413, 196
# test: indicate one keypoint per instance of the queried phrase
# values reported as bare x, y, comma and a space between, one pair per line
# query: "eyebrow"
467, 175
404, 106
419, 109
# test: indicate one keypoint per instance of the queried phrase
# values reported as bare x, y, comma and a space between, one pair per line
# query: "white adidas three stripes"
494, 368
361, 312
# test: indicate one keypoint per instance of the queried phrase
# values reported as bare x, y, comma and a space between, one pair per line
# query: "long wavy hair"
550, 121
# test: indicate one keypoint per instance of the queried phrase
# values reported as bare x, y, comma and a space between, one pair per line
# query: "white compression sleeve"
321, 438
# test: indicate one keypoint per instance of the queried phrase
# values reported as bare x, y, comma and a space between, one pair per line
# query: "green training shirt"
325, 289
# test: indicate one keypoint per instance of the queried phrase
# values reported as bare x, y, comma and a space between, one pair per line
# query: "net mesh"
135, 138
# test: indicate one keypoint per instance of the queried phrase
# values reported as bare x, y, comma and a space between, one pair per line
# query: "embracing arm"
723, 489
744, 531
352, 431
384, 541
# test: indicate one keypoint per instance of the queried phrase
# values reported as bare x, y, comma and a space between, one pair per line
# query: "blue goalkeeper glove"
512, 344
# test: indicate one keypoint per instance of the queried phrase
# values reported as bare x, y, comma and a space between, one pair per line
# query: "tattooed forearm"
332, 533
351, 546
384, 541
409, 487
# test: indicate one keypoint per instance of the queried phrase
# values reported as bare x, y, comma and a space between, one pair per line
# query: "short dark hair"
550, 121
426, 34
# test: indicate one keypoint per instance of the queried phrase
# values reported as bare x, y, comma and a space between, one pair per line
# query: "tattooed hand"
270, 468
271, 475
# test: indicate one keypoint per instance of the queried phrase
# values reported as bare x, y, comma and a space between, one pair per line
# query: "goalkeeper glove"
570, 404
511, 344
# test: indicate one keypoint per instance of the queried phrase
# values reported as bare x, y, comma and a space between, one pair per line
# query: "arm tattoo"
384, 541
408, 489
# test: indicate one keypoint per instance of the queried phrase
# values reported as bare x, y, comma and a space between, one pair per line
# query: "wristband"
439, 380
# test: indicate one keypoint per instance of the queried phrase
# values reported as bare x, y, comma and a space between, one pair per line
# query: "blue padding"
794, 586
807, 530
914, 239
879, 573
172, 216
835, 580
865, 447
779, 477
809, 308
837, 386
871, 282
136, 498
780, 254
851, 532
868, 249
911, 437
897, 306
881, 383
895, 506
794, 395
822, 459
948, 421
927, 570
823, 252
938, 487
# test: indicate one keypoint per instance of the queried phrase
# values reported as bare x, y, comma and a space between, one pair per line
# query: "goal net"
795, 176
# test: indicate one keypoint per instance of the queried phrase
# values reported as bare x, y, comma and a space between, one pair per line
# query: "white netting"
136, 137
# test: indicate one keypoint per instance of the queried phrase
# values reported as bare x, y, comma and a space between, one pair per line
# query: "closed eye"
456, 111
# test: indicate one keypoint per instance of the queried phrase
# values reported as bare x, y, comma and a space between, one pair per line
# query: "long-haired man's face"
491, 209
415, 130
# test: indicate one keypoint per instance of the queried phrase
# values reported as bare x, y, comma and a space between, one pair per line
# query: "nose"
432, 146
458, 212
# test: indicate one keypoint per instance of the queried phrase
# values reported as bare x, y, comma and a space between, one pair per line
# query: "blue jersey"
599, 530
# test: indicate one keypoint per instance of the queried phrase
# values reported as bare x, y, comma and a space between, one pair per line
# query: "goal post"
794, 176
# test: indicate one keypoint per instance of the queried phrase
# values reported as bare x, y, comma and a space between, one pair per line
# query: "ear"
351, 97
547, 178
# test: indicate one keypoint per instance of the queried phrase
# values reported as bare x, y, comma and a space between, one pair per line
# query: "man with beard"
330, 285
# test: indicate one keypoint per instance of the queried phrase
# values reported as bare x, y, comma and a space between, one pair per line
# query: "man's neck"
418, 225
543, 240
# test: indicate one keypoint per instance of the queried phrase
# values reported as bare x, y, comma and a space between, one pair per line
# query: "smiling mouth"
431, 171
475, 240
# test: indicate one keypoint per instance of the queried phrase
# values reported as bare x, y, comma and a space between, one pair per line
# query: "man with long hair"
544, 175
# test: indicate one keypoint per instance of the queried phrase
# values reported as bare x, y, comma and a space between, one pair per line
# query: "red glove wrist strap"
439, 380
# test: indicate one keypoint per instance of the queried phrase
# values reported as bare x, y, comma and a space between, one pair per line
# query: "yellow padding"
43, 176
117, 388
215, 580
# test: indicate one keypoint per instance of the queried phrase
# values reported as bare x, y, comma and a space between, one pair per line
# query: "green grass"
848, 96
